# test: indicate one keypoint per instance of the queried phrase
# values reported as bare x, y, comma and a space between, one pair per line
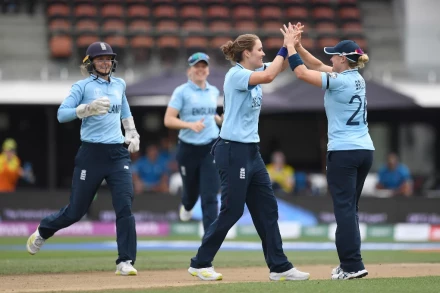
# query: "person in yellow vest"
280, 173
10, 166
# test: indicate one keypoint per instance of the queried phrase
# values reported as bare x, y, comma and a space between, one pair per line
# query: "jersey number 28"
350, 121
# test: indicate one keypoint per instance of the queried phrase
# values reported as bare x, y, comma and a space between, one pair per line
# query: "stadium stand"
162, 26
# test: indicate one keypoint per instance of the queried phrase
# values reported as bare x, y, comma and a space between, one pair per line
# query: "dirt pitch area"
175, 278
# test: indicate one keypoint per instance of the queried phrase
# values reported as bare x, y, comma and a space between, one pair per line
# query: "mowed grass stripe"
20, 262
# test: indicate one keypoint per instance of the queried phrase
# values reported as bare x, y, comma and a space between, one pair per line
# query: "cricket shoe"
34, 242
184, 215
125, 268
336, 270
291, 275
205, 274
339, 274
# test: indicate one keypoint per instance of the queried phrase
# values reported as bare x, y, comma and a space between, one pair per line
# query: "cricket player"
100, 102
350, 148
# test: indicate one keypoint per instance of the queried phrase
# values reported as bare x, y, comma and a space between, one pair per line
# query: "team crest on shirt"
332, 74
98, 92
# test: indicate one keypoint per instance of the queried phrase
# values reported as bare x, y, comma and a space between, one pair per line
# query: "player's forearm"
309, 60
175, 123
276, 66
66, 114
285, 65
218, 120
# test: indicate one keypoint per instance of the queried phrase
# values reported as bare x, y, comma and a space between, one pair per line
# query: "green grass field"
20, 262
64, 262
397, 285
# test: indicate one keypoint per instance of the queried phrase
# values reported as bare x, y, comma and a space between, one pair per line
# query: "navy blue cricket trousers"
199, 177
95, 162
346, 173
244, 180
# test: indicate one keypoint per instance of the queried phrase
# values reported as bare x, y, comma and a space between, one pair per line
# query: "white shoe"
336, 270
341, 275
34, 242
291, 275
184, 215
125, 268
205, 274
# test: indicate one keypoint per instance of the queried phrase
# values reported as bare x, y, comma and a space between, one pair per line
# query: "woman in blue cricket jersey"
350, 148
100, 102
243, 174
195, 102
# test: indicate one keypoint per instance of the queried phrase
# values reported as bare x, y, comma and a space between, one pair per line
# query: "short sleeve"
332, 80
176, 101
240, 79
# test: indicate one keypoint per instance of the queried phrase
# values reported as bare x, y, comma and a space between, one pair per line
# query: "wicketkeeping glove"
97, 107
131, 135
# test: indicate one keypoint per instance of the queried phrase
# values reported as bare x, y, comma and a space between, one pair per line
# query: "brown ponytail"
233, 49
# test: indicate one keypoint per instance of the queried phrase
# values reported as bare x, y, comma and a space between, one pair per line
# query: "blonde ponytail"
360, 63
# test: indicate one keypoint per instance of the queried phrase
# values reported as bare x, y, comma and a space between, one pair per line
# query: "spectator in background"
281, 175
167, 154
395, 176
150, 173
303, 186
10, 167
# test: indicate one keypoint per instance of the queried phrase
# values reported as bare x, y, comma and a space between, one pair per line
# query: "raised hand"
290, 34
298, 27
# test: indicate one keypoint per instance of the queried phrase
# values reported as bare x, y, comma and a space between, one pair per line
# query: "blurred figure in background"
150, 173
10, 167
167, 154
281, 175
193, 110
395, 176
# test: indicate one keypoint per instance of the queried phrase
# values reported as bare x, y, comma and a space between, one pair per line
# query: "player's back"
346, 108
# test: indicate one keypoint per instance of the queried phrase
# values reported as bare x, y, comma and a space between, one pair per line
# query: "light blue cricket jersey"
101, 128
193, 104
346, 108
242, 106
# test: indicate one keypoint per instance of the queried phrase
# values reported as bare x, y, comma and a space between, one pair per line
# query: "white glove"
131, 135
97, 107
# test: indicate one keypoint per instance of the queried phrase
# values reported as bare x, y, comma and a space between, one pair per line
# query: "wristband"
294, 61
282, 52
